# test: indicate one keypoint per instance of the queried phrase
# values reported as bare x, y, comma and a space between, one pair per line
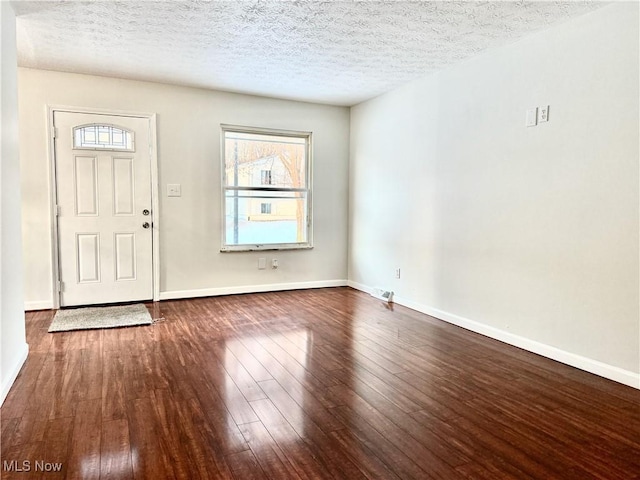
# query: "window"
265, 177
265, 208
266, 189
102, 137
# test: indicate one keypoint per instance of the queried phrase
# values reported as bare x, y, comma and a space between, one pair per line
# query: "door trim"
155, 199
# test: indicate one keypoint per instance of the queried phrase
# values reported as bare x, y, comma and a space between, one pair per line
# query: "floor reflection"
271, 371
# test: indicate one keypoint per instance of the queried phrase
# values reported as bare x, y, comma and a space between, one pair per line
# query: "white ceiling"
336, 52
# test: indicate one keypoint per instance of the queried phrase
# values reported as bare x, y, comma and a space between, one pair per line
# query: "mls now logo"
27, 466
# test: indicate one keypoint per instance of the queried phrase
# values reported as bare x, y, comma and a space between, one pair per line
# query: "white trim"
596, 367
155, 201
270, 287
53, 213
155, 205
13, 373
99, 111
38, 305
360, 286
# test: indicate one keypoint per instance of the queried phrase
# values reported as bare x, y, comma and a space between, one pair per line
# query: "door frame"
155, 201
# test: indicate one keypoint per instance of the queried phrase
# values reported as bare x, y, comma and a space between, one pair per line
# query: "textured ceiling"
337, 52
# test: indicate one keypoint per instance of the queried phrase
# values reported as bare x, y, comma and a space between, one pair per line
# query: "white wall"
189, 154
13, 346
525, 234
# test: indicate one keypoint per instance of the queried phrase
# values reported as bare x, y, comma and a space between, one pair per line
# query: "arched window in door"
103, 137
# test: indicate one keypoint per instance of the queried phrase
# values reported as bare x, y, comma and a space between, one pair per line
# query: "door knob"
146, 225
145, 212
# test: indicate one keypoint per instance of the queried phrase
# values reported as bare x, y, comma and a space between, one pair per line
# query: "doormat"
100, 317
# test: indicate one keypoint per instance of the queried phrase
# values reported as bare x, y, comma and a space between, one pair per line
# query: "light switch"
543, 114
174, 190
262, 263
532, 117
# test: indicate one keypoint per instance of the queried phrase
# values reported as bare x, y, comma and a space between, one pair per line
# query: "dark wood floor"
311, 384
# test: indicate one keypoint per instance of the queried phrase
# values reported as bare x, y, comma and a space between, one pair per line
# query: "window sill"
261, 248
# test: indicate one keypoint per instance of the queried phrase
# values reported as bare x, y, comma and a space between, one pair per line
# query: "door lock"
146, 225
145, 212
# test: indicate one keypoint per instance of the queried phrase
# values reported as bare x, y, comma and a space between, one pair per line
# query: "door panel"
105, 253
125, 256
123, 186
88, 257
85, 177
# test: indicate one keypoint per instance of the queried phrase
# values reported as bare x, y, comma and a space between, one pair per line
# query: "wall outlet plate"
543, 114
532, 117
174, 190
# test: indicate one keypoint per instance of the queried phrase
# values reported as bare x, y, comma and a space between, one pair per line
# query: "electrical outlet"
543, 114
274, 263
397, 273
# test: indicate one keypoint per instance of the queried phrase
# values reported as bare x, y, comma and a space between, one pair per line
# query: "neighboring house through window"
266, 186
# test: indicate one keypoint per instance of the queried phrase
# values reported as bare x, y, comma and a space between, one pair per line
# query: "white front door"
103, 187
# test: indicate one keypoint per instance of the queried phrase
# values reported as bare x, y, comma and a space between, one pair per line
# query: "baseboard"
360, 286
271, 287
38, 305
13, 372
596, 367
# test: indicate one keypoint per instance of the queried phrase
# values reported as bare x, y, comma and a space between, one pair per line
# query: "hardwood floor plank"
19, 461
316, 362
179, 436
90, 382
240, 376
312, 423
291, 377
115, 450
288, 440
30, 428
248, 361
549, 435
368, 462
313, 384
245, 466
229, 392
7, 428
84, 456
302, 402
23, 388
419, 449
113, 389
137, 376
214, 417
148, 457
209, 447
381, 446
268, 453
362, 376
57, 445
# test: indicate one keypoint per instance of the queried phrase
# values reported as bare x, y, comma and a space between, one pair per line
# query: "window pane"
102, 137
253, 218
254, 160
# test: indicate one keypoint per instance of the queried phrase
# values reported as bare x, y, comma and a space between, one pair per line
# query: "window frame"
308, 136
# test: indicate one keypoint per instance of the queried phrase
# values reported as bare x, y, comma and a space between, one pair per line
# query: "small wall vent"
382, 294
